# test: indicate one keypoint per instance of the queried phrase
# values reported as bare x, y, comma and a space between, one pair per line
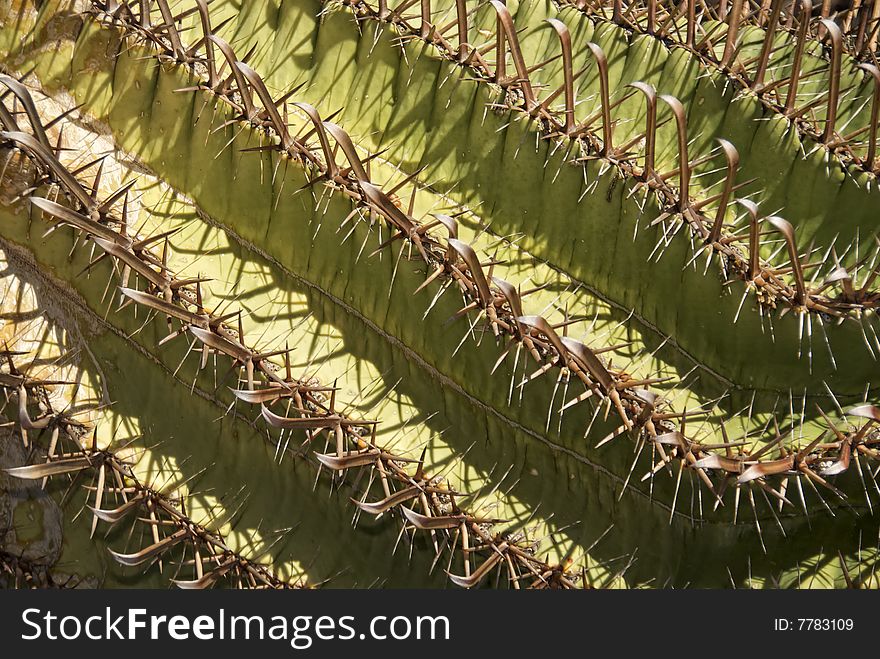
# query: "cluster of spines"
202, 555
644, 415
785, 285
17, 569
403, 480
750, 74
837, 296
664, 22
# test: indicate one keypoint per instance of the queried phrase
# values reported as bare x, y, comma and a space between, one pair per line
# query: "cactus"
525, 295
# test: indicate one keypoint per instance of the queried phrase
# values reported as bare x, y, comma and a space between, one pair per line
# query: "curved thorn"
347, 146
427, 523
754, 237
379, 507
24, 419
74, 219
605, 97
842, 463
173, 34
480, 572
271, 109
332, 169
47, 469
147, 553
258, 396
461, 18
452, 229
732, 156
361, 459
205, 19
511, 295
684, 166
784, 227
243, 90
568, 84
875, 114
310, 422
117, 514
507, 30
30, 109
158, 279
589, 361
426, 26
767, 48
836, 37
222, 344
866, 412
763, 469
469, 256
64, 177
650, 124
733, 21
713, 461
540, 324
163, 307
691, 24
806, 7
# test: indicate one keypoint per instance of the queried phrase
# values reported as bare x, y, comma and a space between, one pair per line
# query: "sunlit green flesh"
395, 103
191, 435
543, 478
471, 367
496, 171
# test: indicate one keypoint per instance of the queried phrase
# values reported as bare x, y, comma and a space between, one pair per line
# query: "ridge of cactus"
696, 28
818, 456
795, 332
172, 359
52, 447
749, 45
54, 442
164, 523
222, 342
74, 221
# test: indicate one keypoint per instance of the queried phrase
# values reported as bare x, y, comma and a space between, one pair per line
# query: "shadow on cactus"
535, 292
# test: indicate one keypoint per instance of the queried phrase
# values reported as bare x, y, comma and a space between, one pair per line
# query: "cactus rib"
640, 410
769, 282
673, 228
471, 280
782, 457
843, 147
212, 561
436, 498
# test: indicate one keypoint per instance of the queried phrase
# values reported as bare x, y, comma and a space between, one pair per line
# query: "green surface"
402, 103
514, 189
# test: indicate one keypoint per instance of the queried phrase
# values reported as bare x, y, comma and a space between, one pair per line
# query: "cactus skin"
252, 208
625, 275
